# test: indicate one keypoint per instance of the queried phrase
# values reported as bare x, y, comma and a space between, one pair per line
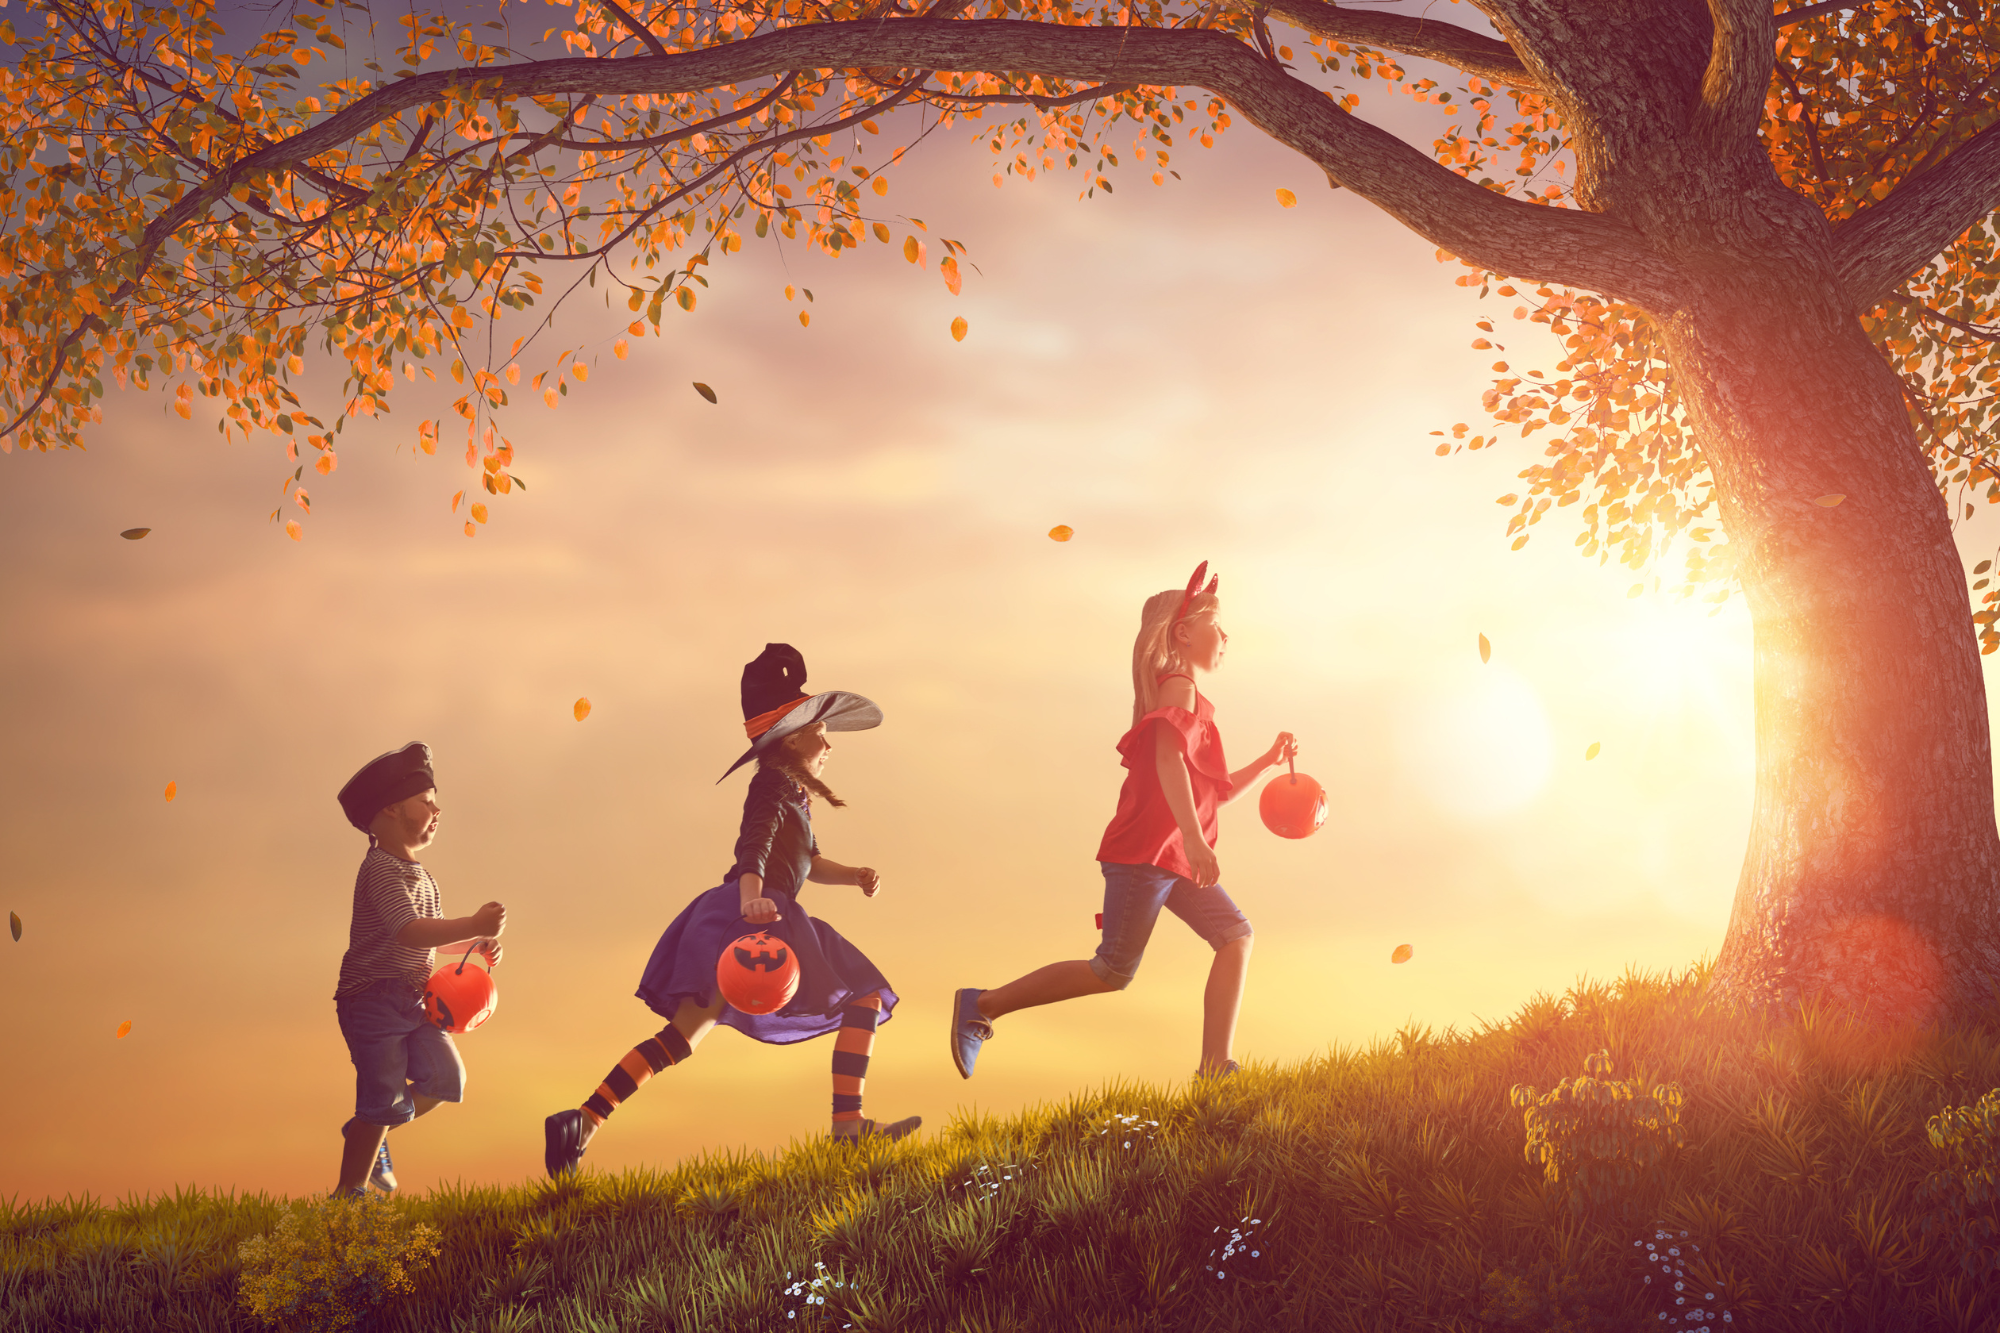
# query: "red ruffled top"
1143, 832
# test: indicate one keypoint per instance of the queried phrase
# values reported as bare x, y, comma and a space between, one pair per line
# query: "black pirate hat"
385, 780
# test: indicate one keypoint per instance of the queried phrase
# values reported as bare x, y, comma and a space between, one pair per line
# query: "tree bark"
1872, 876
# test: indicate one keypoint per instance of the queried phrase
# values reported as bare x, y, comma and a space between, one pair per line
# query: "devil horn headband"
1193, 587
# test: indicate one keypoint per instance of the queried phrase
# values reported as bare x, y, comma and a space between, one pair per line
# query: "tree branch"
1731, 106
1527, 241
1461, 48
1790, 16
639, 30
1883, 244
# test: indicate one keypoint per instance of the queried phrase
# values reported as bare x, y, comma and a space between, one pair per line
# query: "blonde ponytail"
1154, 652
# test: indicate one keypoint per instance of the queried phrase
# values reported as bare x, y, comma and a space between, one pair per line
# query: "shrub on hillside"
330, 1262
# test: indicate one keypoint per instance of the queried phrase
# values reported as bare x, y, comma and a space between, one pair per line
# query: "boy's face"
411, 822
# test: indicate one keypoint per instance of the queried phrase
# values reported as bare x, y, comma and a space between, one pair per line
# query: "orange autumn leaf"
913, 249
14, 924
470, 530
293, 530
1061, 532
580, 370
328, 461
171, 789
1403, 953
582, 709
134, 534
1485, 649
478, 513
704, 391
805, 319
958, 328
948, 269
620, 348
1286, 199
125, 1028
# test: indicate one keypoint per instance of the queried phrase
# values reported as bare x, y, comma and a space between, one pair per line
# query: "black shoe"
870, 1129
563, 1133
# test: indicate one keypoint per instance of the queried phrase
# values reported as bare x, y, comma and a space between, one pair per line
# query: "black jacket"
776, 840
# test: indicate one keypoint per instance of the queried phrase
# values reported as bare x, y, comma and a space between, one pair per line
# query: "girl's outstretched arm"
1283, 748
826, 870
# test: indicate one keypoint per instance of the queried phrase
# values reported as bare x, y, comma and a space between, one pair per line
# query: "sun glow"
1482, 749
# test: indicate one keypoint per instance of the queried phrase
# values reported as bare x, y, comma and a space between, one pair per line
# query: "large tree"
1764, 239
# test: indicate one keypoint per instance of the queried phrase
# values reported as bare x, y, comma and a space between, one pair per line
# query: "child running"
1159, 849
839, 991
403, 1066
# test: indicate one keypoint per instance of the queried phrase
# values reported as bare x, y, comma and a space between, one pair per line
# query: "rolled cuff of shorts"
1110, 975
1240, 931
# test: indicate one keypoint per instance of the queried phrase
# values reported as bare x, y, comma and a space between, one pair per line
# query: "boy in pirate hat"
403, 1066
840, 991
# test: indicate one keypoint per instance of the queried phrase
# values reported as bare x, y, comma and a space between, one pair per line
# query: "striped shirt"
389, 893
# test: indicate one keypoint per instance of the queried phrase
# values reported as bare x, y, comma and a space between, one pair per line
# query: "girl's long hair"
785, 759
1154, 652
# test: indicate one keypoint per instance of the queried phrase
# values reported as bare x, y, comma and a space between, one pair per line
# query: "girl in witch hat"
1159, 850
839, 990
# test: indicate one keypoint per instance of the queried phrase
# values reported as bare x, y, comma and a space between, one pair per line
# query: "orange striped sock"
643, 1061
852, 1046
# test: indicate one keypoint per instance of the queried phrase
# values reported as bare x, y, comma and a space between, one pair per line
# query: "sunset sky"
1178, 374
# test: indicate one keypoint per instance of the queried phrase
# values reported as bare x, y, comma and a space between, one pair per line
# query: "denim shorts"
1133, 897
396, 1053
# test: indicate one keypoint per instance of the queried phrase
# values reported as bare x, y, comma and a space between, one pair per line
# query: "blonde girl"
1159, 850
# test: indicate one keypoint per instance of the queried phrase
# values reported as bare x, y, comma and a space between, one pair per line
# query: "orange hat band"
763, 722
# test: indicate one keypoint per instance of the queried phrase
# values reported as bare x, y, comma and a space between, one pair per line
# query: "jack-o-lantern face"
771, 956
757, 974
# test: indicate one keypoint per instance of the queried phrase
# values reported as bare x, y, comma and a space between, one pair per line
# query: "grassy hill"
1789, 1184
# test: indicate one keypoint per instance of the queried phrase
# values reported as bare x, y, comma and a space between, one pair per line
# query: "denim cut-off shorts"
396, 1053
1133, 897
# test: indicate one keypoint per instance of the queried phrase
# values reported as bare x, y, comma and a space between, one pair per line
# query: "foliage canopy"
190, 207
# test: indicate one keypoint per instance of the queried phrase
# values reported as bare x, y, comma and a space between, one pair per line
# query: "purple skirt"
832, 972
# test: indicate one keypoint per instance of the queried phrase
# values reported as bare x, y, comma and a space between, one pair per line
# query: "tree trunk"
1872, 878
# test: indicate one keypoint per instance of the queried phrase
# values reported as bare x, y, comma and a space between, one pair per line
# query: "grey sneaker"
968, 1030
1227, 1068
870, 1129
383, 1177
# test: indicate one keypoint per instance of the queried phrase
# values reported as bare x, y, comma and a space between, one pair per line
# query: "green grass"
1388, 1189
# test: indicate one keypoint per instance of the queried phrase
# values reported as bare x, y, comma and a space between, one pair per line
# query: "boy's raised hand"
869, 880
490, 920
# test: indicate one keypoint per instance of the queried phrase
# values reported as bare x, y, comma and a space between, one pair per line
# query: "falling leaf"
1485, 649
479, 513
1402, 954
1829, 501
704, 391
582, 709
134, 534
1591, 753
293, 530
958, 328
1286, 199
125, 1027
171, 789
1061, 532
805, 319
14, 920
